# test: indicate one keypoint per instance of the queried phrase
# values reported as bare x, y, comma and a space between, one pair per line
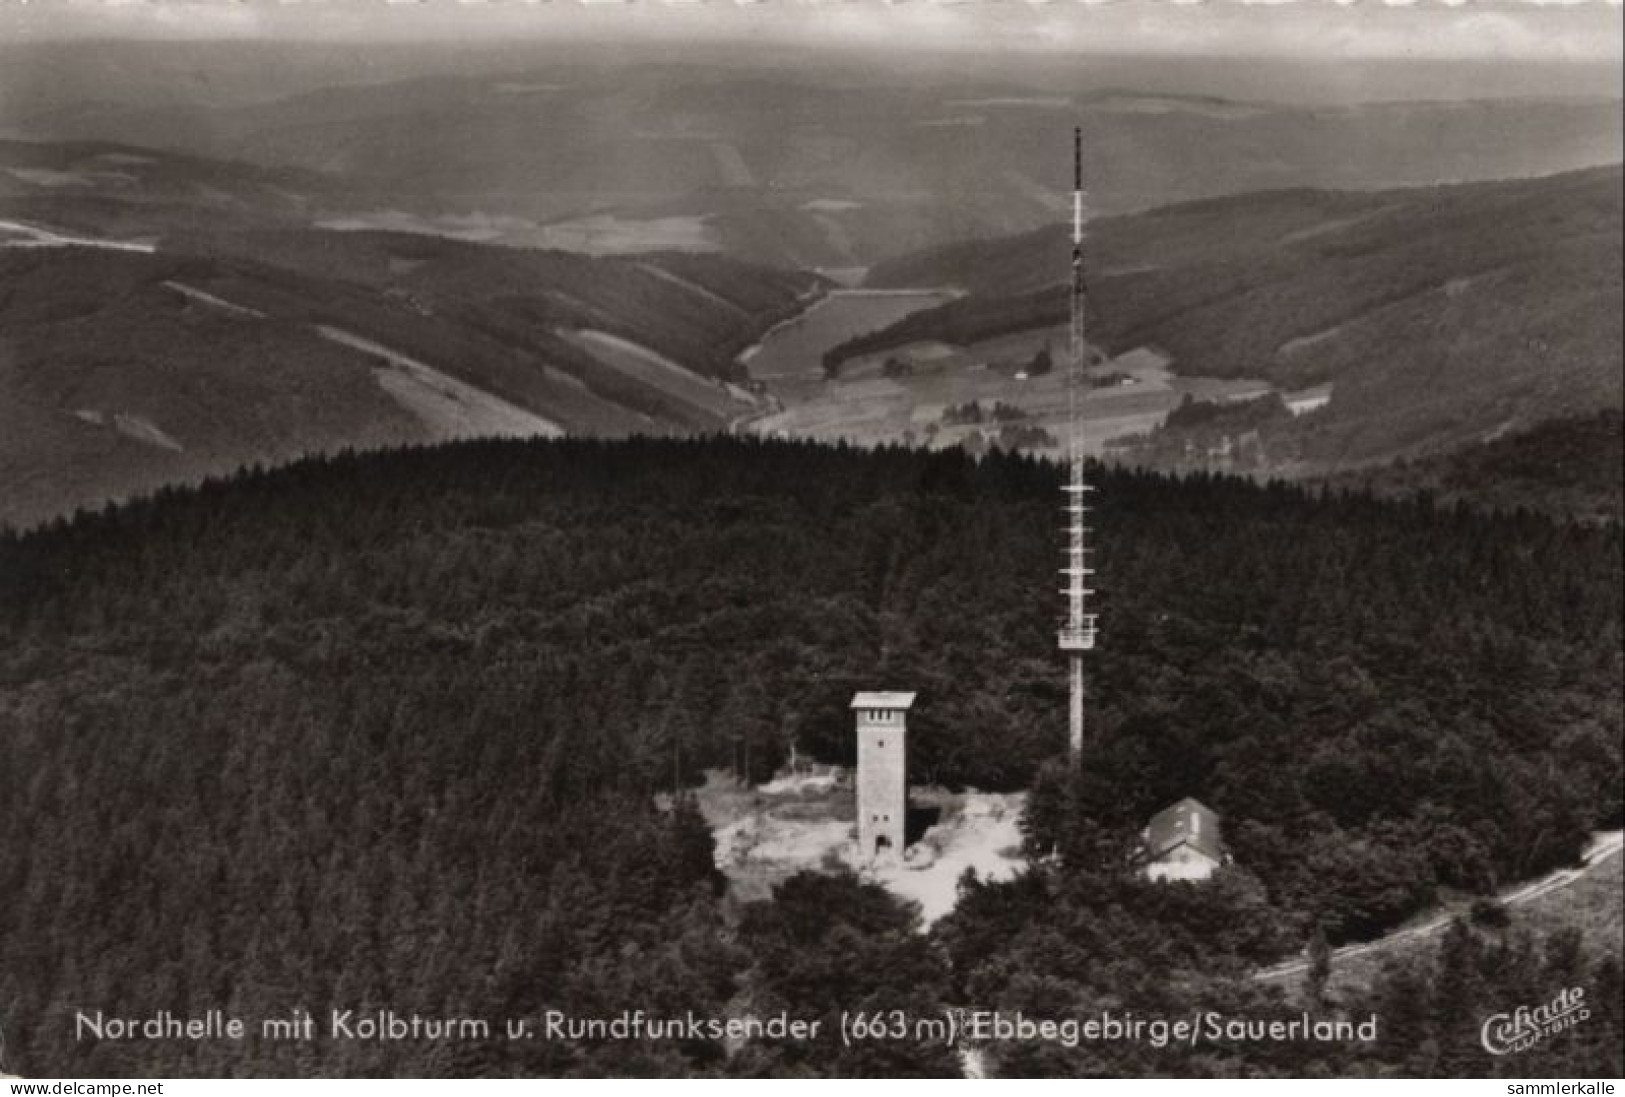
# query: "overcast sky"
1554, 29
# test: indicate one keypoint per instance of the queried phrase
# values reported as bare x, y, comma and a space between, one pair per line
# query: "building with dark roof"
1183, 842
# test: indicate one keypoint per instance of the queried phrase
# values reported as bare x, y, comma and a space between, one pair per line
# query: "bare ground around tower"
767, 833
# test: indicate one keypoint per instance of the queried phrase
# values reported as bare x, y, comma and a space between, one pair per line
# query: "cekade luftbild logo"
1525, 1027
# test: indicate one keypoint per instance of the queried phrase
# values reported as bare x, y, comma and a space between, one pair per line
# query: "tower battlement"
882, 730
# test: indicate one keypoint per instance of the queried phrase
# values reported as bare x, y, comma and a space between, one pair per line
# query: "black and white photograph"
776, 539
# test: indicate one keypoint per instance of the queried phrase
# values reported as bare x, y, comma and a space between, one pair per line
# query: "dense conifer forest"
393, 730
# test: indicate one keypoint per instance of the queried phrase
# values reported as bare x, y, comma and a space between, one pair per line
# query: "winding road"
1603, 845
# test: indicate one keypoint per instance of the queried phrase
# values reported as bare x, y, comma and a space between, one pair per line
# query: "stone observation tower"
882, 772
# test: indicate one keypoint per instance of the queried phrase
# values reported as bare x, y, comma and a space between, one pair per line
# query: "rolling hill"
1567, 466
166, 319
1440, 316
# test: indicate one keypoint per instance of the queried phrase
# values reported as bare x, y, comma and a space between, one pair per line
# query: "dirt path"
1604, 845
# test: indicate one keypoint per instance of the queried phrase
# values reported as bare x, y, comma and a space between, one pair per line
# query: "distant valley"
1398, 324
170, 318
157, 334
198, 272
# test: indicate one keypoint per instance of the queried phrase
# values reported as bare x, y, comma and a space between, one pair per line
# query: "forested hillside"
699, 311
126, 189
167, 318
1442, 315
1572, 466
1091, 939
388, 730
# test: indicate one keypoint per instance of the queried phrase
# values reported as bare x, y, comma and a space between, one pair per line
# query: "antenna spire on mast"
1077, 184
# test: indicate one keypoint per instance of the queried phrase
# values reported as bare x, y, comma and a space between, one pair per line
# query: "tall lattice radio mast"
1079, 627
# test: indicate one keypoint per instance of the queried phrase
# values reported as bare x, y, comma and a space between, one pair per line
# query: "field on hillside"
1123, 396
601, 234
655, 370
